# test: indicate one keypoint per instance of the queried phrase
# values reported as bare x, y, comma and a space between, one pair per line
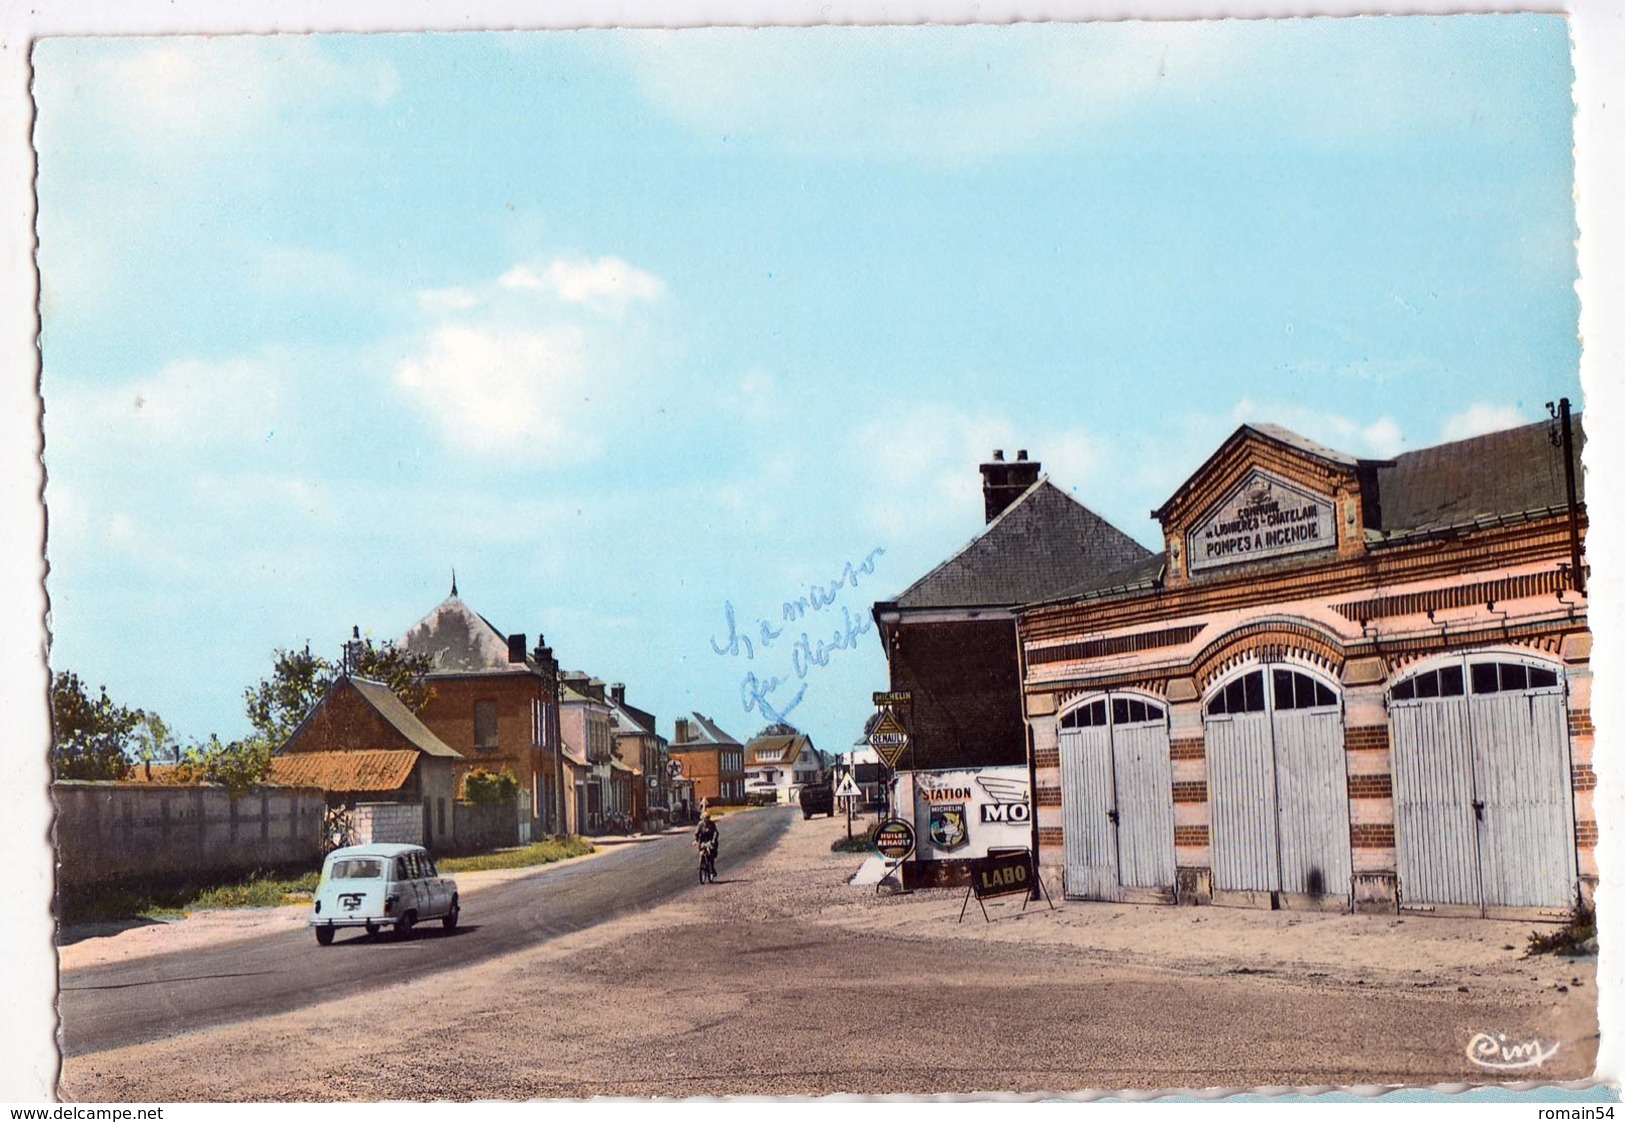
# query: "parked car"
817, 798
383, 885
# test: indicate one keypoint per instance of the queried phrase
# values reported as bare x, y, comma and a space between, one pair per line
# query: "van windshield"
356, 868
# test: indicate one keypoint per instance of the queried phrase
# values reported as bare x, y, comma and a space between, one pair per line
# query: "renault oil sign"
961, 813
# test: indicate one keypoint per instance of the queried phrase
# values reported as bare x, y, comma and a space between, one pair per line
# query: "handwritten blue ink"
735, 640
753, 693
822, 596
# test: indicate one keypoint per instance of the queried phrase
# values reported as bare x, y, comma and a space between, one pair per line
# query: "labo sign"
1263, 518
961, 813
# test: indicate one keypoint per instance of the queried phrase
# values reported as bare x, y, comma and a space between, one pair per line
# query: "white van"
384, 885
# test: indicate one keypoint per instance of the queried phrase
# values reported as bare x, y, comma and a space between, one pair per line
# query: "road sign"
847, 789
889, 738
895, 839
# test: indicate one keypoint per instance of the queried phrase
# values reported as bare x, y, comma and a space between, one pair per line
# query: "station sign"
895, 839
1262, 518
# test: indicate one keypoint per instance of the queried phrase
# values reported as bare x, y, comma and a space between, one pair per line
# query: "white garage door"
1116, 797
1278, 785
1483, 803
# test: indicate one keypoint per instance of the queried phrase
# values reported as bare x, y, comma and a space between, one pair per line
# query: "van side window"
402, 870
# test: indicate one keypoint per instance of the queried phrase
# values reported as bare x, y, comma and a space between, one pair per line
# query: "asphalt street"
149, 999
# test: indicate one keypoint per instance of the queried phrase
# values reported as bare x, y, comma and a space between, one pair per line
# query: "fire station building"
1345, 683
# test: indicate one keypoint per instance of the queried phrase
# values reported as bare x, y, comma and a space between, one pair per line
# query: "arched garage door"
1116, 797
1483, 803
1278, 785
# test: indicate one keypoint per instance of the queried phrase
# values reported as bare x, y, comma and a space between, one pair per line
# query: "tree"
486, 788
90, 734
299, 679
237, 766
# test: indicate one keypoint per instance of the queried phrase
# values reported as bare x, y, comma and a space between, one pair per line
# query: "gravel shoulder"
701, 995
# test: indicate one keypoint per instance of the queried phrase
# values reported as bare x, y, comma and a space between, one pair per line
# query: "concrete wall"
110, 830
485, 826
387, 822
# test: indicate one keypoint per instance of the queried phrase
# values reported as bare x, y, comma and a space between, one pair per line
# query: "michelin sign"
962, 813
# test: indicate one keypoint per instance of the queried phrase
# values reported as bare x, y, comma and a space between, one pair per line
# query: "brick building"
493, 703
644, 751
950, 637
709, 759
361, 744
1345, 683
584, 722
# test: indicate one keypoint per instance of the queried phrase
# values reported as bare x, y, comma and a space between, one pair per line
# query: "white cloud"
1479, 418
910, 92
608, 281
454, 299
495, 390
1381, 437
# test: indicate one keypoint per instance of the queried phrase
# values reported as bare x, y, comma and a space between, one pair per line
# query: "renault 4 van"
378, 886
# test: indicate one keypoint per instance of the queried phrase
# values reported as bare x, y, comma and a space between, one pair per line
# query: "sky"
631, 327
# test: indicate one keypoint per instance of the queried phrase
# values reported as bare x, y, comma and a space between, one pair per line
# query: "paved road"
148, 999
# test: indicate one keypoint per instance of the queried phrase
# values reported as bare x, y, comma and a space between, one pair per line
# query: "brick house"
1345, 683
584, 722
710, 759
493, 703
950, 637
644, 751
361, 744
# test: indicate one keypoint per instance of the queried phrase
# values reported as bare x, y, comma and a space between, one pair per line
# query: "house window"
485, 726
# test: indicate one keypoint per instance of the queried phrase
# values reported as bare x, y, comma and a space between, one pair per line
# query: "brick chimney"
680, 732
516, 647
617, 692
1004, 482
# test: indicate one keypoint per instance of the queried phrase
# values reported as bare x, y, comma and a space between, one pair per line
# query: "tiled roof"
459, 641
775, 749
1495, 476
371, 769
392, 709
1042, 544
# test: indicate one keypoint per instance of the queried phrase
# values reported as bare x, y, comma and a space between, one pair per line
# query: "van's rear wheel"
449, 920
324, 936
403, 926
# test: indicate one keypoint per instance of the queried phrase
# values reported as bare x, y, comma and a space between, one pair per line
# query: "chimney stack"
1005, 482
680, 731
617, 692
516, 647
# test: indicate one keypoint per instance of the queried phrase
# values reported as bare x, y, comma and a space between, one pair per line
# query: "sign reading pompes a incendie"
1261, 518
895, 839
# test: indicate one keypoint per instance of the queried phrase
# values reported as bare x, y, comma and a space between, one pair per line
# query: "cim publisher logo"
1494, 1051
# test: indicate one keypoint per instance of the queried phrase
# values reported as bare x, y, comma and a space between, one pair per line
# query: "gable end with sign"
1264, 517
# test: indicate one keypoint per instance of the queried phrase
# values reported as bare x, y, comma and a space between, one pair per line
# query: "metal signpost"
847, 791
894, 841
889, 738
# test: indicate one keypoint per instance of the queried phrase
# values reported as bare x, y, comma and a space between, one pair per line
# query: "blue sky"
630, 326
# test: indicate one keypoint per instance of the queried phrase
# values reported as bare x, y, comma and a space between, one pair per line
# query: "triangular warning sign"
847, 789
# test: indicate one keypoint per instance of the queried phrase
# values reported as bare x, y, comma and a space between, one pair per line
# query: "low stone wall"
485, 826
106, 831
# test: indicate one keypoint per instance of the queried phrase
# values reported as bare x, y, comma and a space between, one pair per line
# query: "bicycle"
708, 861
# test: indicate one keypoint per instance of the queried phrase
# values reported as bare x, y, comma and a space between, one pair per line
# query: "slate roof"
1493, 477
372, 769
1144, 574
394, 710
702, 731
460, 641
1041, 545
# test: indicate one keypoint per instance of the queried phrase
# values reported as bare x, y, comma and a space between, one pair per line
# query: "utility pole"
1565, 439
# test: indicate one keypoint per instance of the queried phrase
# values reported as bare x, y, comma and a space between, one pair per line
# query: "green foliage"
541, 853
1579, 929
487, 789
857, 843
159, 897
90, 734
237, 766
299, 679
